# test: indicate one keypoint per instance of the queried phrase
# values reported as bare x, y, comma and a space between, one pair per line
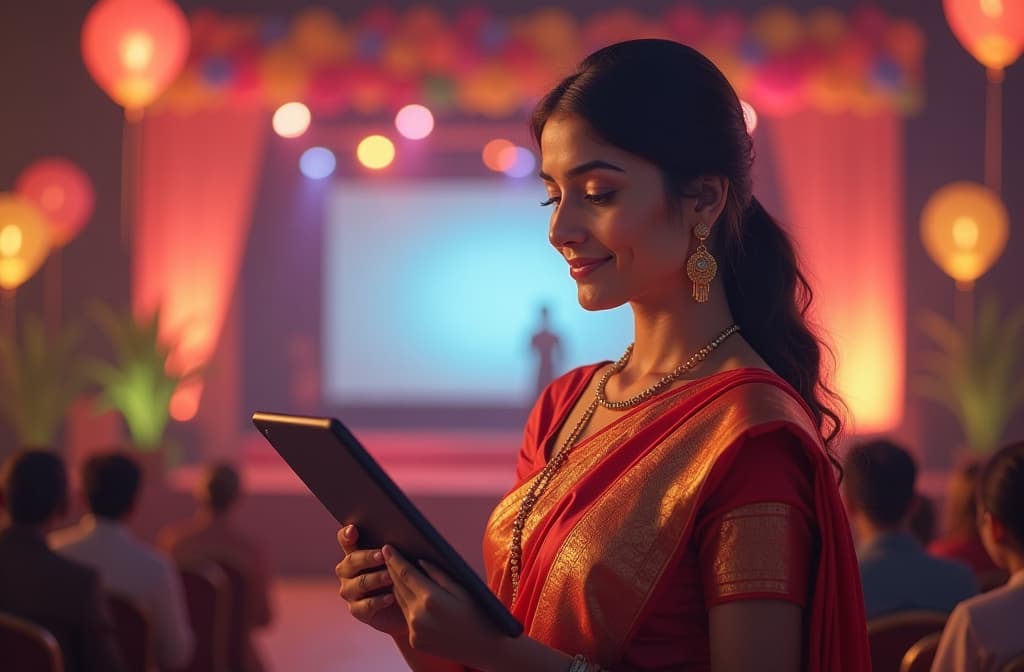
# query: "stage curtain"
840, 178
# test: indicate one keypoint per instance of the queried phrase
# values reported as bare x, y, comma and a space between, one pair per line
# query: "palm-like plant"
38, 380
136, 383
974, 374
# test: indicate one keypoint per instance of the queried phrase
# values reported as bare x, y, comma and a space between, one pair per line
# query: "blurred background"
212, 207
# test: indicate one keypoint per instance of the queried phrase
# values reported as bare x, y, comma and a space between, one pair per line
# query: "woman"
676, 509
963, 541
986, 631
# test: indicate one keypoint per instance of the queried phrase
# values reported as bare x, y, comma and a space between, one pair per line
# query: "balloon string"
994, 131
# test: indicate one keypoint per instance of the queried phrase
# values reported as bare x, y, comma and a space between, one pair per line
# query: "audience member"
986, 631
36, 584
213, 536
922, 519
896, 572
129, 567
962, 541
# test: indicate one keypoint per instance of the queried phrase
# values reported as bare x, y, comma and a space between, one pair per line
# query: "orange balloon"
964, 227
135, 48
992, 30
24, 240
62, 192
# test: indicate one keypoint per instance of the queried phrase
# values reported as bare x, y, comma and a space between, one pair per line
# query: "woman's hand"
440, 615
366, 586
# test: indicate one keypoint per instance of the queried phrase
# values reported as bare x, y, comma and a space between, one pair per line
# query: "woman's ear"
1000, 534
710, 195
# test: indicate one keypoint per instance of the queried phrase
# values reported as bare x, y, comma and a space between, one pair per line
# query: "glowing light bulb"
11, 240
414, 122
375, 152
291, 120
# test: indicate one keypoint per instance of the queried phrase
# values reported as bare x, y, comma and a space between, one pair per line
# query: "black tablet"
355, 490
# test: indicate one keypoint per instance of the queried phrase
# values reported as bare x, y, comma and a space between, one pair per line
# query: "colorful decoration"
62, 192
992, 30
24, 240
496, 67
135, 48
964, 227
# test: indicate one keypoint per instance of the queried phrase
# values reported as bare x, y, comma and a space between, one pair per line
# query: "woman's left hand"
443, 620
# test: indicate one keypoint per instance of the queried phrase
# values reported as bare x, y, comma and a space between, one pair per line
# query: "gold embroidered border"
767, 527
611, 561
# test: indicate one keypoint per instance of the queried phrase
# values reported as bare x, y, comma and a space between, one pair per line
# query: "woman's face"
610, 219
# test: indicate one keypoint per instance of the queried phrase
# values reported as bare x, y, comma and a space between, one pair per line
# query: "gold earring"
701, 267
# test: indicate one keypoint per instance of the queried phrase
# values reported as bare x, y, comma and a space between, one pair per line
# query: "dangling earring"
701, 266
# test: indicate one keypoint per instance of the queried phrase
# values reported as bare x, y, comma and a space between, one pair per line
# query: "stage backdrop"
433, 291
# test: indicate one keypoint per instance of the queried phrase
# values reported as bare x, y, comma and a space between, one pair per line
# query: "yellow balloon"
964, 227
24, 240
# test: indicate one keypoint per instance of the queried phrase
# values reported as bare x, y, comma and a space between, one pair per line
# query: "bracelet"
579, 664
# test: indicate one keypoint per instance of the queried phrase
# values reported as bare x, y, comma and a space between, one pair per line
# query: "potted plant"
39, 378
136, 382
974, 374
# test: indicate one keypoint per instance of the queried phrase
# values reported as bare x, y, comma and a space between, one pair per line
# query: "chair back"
208, 600
892, 635
238, 627
28, 647
1014, 664
920, 656
134, 633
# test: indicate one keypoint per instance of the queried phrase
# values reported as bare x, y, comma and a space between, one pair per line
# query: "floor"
313, 632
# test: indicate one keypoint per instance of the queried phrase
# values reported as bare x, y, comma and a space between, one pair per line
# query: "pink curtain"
196, 181
841, 181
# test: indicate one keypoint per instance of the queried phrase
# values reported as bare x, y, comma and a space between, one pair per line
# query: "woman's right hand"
366, 586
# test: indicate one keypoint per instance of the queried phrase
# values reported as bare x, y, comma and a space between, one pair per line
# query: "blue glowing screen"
433, 290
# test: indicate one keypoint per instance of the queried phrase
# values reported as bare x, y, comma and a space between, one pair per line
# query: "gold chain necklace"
542, 481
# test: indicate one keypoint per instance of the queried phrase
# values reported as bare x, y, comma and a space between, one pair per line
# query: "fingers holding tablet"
365, 584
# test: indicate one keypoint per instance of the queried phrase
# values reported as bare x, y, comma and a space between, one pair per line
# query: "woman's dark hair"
668, 104
1001, 488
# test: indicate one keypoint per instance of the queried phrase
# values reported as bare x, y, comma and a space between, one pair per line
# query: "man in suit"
896, 572
36, 584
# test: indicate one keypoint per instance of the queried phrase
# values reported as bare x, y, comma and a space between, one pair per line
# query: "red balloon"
134, 49
992, 30
62, 192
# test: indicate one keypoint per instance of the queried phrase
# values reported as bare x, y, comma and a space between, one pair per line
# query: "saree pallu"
621, 513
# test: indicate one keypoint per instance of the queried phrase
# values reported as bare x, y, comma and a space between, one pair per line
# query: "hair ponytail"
769, 298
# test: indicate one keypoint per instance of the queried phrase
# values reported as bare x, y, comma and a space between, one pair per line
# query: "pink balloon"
62, 191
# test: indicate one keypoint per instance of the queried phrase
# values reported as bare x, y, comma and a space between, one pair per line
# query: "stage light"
317, 163
749, 116
414, 122
494, 155
291, 120
519, 160
376, 152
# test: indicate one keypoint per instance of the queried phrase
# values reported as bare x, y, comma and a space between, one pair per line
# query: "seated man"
36, 584
130, 568
896, 572
213, 537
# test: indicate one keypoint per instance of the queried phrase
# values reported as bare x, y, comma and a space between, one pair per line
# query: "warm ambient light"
964, 227
10, 240
291, 120
414, 122
497, 156
376, 152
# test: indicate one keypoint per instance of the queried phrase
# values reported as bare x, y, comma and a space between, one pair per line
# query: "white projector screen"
433, 289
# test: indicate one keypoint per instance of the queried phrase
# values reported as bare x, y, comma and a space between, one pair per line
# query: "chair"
134, 633
28, 647
892, 635
920, 656
238, 627
208, 600
1014, 665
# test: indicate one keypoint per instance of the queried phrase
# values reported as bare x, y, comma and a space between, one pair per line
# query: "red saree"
653, 520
